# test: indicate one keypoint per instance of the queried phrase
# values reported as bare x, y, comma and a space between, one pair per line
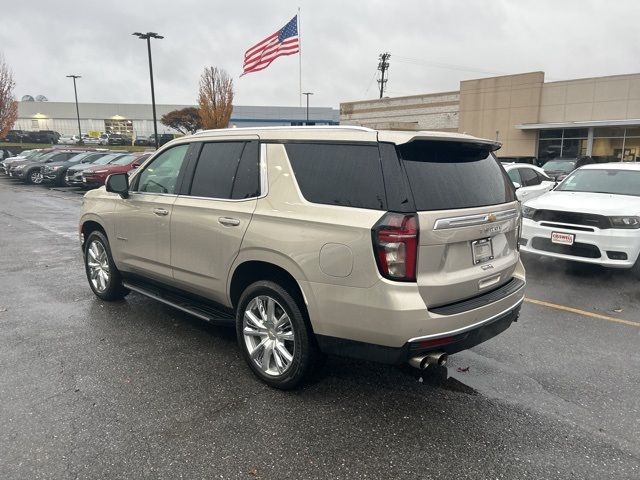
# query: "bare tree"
215, 98
8, 104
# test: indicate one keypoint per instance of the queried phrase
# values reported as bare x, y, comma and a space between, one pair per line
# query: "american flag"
283, 42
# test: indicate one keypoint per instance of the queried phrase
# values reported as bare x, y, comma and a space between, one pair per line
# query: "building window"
122, 127
616, 144
562, 143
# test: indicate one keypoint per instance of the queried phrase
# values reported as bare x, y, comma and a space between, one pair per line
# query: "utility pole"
75, 90
383, 66
148, 36
307, 94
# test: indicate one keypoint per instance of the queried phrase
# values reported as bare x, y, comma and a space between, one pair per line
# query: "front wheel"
104, 278
635, 270
34, 176
274, 336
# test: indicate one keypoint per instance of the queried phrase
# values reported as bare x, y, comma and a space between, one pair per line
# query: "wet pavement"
135, 389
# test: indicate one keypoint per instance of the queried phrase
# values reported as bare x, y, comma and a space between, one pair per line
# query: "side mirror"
118, 183
516, 185
135, 165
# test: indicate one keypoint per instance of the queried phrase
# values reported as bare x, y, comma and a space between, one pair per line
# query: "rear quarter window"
348, 175
453, 175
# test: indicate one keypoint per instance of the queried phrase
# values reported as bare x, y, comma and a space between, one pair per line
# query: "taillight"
395, 245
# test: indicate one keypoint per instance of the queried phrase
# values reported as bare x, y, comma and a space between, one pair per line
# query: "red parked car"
96, 176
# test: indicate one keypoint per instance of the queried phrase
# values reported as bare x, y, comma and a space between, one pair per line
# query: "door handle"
161, 211
229, 222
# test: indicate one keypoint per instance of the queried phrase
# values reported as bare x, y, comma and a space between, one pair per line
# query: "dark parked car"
55, 172
73, 177
30, 171
42, 136
117, 139
16, 136
559, 168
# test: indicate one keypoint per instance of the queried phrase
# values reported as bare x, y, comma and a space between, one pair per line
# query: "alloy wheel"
268, 335
98, 263
36, 177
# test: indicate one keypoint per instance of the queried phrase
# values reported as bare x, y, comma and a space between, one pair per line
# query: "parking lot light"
148, 36
75, 91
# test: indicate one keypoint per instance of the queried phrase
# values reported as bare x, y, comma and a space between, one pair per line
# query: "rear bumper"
391, 318
394, 356
597, 247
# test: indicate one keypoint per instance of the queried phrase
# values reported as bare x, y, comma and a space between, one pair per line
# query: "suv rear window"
452, 175
348, 175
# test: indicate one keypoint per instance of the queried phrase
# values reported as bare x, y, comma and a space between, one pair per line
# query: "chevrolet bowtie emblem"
492, 217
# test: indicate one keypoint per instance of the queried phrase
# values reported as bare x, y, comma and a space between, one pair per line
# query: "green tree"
186, 120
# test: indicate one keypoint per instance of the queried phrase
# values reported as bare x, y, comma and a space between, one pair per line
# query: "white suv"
384, 245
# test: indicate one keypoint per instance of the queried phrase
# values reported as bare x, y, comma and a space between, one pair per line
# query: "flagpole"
299, 61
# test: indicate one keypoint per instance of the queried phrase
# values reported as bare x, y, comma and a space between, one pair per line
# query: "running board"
198, 308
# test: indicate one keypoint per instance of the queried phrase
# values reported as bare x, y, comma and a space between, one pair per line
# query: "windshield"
79, 157
127, 159
107, 159
615, 182
564, 166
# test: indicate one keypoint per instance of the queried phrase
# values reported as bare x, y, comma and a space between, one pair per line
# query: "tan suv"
382, 245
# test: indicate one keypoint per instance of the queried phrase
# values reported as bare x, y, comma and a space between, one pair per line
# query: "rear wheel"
274, 336
104, 278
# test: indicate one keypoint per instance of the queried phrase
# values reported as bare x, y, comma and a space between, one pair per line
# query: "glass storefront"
562, 143
611, 144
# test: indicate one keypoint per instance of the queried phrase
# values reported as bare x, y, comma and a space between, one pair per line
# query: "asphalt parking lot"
139, 390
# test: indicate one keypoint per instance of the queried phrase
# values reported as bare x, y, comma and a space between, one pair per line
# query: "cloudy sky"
433, 44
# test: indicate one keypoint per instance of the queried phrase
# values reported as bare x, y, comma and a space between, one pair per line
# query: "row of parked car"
52, 137
87, 168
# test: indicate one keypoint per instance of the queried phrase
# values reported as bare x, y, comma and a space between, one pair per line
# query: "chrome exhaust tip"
430, 359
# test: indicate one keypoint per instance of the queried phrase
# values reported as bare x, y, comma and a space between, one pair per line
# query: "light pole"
75, 91
148, 36
307, 94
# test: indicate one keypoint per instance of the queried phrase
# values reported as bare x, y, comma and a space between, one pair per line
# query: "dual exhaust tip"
423, 362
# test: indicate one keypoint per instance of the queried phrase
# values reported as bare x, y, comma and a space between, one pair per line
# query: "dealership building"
136, 120
598, 117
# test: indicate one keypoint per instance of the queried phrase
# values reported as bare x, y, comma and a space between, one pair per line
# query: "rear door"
212, 213
468, 217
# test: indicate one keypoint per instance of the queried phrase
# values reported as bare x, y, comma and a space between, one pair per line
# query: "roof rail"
287, 127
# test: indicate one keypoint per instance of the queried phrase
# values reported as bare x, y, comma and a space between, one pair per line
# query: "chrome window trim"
473, 326
473, 220
154, 194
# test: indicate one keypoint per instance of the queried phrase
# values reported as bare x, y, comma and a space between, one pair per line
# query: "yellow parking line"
582, 312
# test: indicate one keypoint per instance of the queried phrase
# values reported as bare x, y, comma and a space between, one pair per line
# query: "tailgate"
464, 253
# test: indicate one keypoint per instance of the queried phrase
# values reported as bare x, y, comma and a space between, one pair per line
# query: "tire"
104, 278
274, 335
635, 270
33, 176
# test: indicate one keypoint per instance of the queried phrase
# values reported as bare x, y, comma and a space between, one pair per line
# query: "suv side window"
161, 175
216, 169
348, 175
529, 177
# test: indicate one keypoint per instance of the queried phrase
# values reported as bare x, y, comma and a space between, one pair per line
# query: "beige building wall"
491, 107
589, 99
417, 112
